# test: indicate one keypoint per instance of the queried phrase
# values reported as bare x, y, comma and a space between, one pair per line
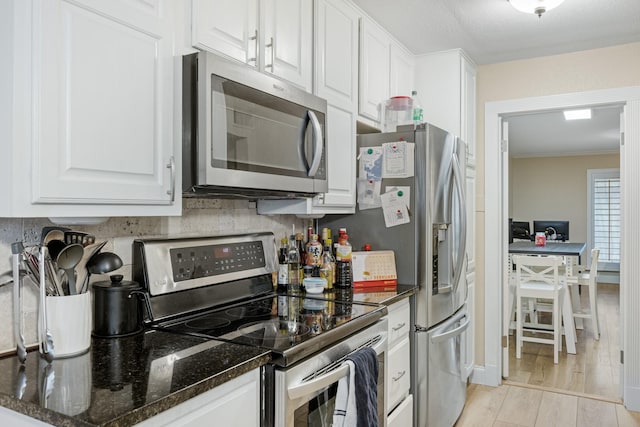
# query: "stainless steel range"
221, 288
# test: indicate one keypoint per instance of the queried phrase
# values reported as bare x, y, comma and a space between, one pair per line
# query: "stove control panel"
233, 263
211, 260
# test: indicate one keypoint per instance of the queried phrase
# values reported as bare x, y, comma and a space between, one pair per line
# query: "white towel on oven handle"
346, 413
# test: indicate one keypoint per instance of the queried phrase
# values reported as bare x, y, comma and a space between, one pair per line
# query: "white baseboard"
631, 398
486, 375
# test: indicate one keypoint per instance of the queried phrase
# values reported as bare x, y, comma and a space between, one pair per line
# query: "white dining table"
572, 253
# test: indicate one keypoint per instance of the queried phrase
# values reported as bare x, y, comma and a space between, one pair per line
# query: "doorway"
549, 160
496, 212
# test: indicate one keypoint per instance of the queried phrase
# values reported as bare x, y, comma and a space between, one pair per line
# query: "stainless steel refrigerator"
430, 252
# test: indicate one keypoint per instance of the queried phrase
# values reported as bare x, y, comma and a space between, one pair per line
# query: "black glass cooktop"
279, 322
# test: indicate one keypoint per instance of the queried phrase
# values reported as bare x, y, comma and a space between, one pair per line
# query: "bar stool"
590, 280
537, 277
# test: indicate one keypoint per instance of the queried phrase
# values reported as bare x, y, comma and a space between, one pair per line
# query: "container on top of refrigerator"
398, 110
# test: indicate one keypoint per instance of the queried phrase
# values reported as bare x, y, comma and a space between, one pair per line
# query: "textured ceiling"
549, 134
493, 31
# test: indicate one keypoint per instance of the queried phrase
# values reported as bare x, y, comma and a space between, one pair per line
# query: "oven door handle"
308, 387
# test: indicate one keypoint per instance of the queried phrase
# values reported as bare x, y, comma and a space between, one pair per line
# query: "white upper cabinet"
336, 53
446, 86
401, 71
275, 36
90, 109
374, 69
229, 27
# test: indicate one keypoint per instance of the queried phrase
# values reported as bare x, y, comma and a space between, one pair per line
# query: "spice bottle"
294, 267
283, 265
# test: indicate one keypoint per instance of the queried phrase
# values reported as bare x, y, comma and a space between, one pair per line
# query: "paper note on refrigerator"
402, 194
368, 194
397, 159
394, 209
370, 163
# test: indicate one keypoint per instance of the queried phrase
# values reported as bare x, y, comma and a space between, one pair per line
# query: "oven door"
257, 131
305, 393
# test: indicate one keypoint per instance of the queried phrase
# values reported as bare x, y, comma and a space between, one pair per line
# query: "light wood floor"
594, 370
524, 405
582, 390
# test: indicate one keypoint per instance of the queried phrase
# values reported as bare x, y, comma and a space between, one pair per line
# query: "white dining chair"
538, 277
590, 281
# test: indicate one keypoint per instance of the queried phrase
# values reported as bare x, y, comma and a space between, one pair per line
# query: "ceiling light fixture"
577, 114
537, 7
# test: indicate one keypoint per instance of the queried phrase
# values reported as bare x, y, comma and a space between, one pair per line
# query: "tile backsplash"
199, 217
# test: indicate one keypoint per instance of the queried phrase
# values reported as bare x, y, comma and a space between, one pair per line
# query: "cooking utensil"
55, 246
67, 260
83, 274
46, 340
16, 255
51, 233
71, 237
104, 262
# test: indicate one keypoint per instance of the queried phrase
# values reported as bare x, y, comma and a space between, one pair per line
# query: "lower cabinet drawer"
402, 416
398, 378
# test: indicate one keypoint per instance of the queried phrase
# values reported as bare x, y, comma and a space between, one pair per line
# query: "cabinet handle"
400, 375
400, 326
272, 46
255, 52
172, 167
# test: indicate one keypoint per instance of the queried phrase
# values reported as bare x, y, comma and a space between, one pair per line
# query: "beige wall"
554, 188
606, 68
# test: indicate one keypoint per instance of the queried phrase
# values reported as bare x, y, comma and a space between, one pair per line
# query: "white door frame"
495, 220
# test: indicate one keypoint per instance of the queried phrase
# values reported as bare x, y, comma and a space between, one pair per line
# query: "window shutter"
606, 218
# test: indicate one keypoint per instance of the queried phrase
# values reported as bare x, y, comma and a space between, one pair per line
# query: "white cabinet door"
287, 40
341, 159
229, 27
446, 86
273, 35
374, 69
336, 53
235, 403
102, 99
401, 71
398, 373
402, 416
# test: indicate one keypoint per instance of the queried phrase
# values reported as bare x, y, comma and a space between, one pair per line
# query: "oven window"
318, 412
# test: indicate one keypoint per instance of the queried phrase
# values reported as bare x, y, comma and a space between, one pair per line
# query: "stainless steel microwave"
248, 134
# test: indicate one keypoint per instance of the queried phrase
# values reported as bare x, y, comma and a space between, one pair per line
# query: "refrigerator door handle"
452, 333
457, 173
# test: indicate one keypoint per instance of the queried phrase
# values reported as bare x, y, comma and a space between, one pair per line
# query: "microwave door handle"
318, 146
301, 141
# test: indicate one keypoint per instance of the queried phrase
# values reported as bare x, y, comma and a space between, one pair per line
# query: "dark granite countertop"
122, 381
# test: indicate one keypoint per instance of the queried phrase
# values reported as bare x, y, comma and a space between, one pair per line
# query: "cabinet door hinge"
505, 341
503, 146
621, 138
